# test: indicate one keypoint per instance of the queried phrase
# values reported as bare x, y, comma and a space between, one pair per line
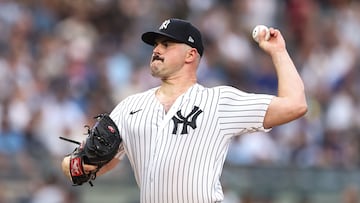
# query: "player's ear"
191, 55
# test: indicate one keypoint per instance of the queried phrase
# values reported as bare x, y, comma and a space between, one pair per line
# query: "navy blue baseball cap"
179, 30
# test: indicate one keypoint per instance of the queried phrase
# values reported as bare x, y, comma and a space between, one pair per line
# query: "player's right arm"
290, 103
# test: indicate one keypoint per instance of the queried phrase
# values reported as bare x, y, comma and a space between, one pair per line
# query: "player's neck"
169, 91
175, 88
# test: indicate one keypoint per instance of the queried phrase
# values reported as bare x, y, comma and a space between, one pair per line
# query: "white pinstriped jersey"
178, 156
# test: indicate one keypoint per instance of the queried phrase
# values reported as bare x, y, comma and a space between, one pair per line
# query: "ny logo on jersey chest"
189, 120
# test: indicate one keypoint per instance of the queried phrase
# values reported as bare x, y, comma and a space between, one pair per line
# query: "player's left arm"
88, 168
99, 153
290, 103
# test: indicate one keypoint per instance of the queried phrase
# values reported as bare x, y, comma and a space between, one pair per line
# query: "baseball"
257, 30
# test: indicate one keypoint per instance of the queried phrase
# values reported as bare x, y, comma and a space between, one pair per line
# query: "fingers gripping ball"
257, 30
100, 147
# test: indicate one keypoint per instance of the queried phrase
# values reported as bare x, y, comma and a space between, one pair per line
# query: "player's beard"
156, 65
161, 69
155, 70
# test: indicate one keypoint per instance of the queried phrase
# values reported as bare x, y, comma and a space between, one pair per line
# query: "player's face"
168, 58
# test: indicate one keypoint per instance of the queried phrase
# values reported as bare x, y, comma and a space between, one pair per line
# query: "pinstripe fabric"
179, 167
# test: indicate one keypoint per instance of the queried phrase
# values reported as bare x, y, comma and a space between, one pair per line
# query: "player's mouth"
156, 57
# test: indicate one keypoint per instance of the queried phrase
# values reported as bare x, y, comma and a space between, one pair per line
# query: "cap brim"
151, 37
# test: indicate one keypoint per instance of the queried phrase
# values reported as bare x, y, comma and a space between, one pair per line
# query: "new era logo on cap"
190, 39
179, 30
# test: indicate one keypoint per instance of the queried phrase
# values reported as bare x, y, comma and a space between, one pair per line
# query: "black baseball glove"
99, 148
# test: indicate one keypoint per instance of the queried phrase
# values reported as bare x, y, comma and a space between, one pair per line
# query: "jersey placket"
155, 148
162, 128
162, 120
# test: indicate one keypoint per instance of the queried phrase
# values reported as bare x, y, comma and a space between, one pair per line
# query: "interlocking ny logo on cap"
164, 25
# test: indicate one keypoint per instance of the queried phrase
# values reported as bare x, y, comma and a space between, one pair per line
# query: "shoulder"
229, 94
140, 95
224, 89
123, 105
219, 92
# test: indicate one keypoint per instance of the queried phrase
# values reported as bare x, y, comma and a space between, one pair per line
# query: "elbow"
301, 109
300, 106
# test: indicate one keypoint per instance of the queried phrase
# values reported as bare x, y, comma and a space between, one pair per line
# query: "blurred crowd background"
62, 62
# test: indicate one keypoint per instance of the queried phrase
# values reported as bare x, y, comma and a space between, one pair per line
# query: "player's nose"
156, 49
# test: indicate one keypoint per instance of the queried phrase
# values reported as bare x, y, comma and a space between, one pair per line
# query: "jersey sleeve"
241, 112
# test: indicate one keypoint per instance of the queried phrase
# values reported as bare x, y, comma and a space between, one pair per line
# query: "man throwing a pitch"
176, 135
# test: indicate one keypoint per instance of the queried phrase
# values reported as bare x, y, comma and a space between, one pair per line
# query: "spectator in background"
12, 142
